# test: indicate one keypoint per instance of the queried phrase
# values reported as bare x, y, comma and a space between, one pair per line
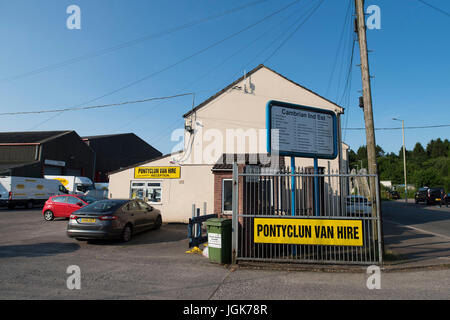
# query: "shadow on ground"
412, 245
167, 233
37, 250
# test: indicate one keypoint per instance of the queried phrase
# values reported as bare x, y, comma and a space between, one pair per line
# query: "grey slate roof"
30, 136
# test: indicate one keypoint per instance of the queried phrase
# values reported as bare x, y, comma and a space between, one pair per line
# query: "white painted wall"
235, 109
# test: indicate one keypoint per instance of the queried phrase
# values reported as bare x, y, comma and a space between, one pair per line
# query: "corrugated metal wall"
18, 153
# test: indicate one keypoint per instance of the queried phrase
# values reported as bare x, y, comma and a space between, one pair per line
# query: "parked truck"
23, 191
100, 192
75, 184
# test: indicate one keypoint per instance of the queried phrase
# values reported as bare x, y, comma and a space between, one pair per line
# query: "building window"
146, 190
227, 196
154, 192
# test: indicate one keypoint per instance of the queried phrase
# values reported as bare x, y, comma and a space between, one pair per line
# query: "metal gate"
285, 198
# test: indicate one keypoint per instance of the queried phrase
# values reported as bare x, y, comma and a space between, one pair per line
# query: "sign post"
316, 187
305, 132
293, 186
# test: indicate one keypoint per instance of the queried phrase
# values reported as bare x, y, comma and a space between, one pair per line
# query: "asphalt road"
430, 219
35, 255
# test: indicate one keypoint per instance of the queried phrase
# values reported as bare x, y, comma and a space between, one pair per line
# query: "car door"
59, 205
135, 215
73, 205
148, 214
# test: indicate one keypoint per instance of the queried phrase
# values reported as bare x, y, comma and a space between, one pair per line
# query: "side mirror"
150, 208
80, 204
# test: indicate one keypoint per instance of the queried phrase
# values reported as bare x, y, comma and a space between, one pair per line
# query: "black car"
394, 194
421, 195
436, 195
113, 219
430, 195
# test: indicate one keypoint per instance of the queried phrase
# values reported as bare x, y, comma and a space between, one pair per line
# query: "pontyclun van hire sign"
157, 172
334, 232
301, 131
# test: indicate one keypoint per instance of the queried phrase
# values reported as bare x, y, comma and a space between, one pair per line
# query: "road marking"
418, 229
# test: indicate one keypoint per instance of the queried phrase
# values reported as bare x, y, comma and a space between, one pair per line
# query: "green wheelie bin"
219, 240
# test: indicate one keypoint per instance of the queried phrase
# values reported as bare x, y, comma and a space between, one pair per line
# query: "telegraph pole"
367, 98
404, 157
404, 161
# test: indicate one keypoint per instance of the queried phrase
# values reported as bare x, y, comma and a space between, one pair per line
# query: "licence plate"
438, 199
87, 220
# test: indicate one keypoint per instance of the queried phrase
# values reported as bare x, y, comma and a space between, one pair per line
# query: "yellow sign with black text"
157, 172
334, 232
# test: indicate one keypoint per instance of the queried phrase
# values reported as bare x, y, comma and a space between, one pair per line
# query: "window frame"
146, 188
228, 212
64, 198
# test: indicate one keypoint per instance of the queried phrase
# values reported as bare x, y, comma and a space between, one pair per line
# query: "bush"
411, 192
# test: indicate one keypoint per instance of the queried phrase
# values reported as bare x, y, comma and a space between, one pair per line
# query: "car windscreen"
102, 206
89, 200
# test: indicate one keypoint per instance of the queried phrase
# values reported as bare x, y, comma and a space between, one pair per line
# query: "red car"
64, 205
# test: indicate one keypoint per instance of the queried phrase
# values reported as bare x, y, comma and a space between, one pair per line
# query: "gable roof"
34, 137
106, 136
234, 83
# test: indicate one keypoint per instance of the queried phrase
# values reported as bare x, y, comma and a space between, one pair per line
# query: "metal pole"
316, 187
404, 157
379, 226
404, 161
235, 206
194, 225
293, 213
293, 186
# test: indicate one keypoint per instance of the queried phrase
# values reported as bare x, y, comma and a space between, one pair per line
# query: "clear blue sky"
410, 62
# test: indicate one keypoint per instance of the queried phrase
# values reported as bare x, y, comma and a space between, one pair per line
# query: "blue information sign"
301, 131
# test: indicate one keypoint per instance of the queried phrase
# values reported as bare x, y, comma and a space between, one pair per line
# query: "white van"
75, 184
23, 191
100, 192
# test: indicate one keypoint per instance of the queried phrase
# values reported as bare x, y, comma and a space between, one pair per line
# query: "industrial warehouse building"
201, 172
35, 154
115, 151
39, 153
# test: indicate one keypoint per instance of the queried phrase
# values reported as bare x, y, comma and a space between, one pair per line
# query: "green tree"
419, 151
437, 148
425, 166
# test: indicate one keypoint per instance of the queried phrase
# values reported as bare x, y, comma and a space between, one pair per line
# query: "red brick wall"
218, 177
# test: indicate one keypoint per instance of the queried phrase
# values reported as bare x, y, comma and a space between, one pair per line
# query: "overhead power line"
294, 32
95, 107
128, 43
251, 63
340, 43
399, 128
180, 61
435, 8
194, 54
212, 72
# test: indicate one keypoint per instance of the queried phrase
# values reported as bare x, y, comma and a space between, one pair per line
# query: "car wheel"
127, 233
48, 215
158, 222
